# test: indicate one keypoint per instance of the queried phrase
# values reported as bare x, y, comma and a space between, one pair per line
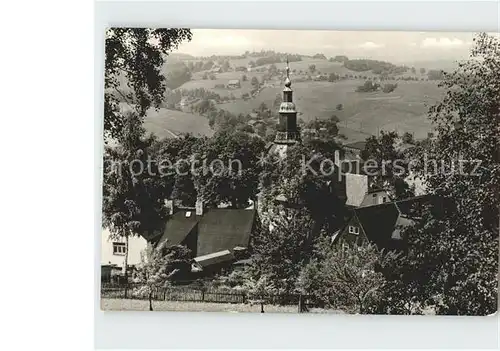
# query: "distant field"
166, 123
404, 110
143, 305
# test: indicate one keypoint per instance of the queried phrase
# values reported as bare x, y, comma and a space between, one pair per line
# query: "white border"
218, 330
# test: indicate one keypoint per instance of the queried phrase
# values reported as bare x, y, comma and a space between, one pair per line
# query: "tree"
282, 246
228, 169
312, 68
413, 70
408, 138
244, 78
389, 87
254, 81
133, 188
339, 107
388, 166
332, 77
159, 266
454, 250
345, 276
367, 87
259, 288
134, 58
422, 70
205, 76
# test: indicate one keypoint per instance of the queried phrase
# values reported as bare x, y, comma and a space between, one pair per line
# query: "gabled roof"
378, 222
224, 229
179, 226
234, 81
359, 145
382, 223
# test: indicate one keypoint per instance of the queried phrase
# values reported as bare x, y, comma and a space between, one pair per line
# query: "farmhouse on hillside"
234, 84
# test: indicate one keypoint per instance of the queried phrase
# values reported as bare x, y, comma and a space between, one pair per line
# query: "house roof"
234, 81
359, 145
216, 230
378, 222
382, 223
224, 229
214, 258
179, 226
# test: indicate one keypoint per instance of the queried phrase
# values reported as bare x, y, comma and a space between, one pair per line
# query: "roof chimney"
199, 207
169, 204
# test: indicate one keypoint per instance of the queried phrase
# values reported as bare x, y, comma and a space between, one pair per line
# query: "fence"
134, 291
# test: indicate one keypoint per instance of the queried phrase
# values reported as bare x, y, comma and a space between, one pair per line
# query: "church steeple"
287, 129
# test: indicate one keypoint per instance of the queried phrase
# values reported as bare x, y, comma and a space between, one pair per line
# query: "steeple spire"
288, 82
287, 129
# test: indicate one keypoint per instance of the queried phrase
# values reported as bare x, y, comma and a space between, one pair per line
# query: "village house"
381, 224
234, 84
217, 237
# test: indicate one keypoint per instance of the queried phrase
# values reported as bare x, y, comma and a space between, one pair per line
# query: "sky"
391, 46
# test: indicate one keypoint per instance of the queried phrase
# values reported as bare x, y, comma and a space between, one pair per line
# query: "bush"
340, 107
369, 86
390, 87
212, 77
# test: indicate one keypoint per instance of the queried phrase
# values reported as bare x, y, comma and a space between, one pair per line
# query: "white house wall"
136, 246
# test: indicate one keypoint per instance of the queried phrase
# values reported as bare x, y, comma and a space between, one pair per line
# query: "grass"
166, 123
143, 305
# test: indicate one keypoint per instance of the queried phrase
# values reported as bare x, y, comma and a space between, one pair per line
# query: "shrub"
390, 87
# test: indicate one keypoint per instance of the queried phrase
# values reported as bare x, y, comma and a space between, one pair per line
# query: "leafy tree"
413, 70
159, 266
205, 76
329, 126
422, 70
244, 78
345, 276
254, 81
367, 87
225, 66
133, 188
454, 251
282, 246
408, 138
228, 169
332, 77
135, 58
389, 88
387, 165
212, 76
312, 68
260, 289
339, 107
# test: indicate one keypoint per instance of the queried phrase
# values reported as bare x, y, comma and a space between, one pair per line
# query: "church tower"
287, 133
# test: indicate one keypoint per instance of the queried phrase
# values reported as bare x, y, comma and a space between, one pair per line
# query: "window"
119, 249
353, 230
384, 199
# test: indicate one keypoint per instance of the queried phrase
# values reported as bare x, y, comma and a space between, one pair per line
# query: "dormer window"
188, 214
353, 230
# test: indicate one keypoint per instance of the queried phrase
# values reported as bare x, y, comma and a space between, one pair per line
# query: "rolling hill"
166, 123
